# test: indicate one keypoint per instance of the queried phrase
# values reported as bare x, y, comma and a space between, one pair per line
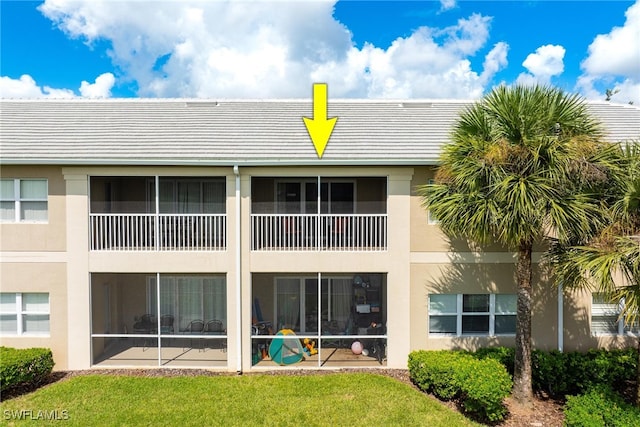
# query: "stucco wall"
49, 236
41, 277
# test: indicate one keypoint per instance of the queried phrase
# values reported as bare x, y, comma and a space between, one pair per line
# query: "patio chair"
166, 324
216, 327
147, 325
195, 327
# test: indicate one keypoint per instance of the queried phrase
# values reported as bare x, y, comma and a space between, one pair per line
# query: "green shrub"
481, 385
485, 385
436, 372
24, 367
560, 374
600, 407
571, 373
505, 355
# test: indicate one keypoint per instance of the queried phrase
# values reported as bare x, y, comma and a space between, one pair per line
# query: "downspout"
236, 172
560, 318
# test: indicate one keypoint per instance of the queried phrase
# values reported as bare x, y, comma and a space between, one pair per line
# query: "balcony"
347, 214
319, 232
130, 232
185, 214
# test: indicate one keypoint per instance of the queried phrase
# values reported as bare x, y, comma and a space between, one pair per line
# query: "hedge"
481, 385
561, 374
600, 407
19, 367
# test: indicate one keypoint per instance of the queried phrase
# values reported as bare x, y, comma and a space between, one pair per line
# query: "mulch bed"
543, 412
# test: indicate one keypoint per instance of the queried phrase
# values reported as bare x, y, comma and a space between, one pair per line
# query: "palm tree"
609, 263
521, 167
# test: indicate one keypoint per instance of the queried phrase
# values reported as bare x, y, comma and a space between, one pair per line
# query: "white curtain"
340, 299
213, 197
191, 196
288, 303
189, 298
215, 299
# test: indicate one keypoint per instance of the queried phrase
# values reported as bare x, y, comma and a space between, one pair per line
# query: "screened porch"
185, 326
342, 317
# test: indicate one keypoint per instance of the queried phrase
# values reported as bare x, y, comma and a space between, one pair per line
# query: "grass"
341, 399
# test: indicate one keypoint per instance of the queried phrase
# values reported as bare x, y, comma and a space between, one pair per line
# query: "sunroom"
185, 327
157, 213
319, 320
319, 213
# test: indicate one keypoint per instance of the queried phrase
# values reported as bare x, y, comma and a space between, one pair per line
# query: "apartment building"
189, 233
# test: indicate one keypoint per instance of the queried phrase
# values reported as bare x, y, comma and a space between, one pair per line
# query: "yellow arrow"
319, 127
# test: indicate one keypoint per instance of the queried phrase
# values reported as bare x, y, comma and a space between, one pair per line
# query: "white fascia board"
230, 163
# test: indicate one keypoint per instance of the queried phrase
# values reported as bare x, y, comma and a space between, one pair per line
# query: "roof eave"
220, 163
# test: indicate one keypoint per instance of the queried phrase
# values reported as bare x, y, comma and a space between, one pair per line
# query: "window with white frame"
472, 314
24, 313
605, 317
23, 200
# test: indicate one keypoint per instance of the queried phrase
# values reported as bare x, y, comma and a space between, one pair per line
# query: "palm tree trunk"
522, 389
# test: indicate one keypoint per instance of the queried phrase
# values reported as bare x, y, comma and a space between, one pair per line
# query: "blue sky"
364, 49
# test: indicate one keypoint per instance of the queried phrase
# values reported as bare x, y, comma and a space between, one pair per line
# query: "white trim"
560, 318
36, 256
238, 270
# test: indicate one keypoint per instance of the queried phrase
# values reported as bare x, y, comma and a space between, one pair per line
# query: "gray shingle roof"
178, 131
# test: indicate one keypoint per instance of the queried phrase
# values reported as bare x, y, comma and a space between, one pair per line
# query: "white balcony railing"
165, 232
296, 232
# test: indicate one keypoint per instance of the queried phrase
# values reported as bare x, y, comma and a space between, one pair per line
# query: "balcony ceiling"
244, 132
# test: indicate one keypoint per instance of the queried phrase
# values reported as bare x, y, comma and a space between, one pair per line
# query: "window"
431, 219
472, 314
605, 317
24, 313
23, 200
300, 195
192, 195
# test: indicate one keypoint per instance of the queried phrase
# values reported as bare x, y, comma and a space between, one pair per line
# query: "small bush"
598, 408
559, 374
24, 367
481, 385
505, 355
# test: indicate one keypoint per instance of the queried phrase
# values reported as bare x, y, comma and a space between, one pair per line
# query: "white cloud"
617, 53
495, 60
26, 87
544, 63
447, 4
274, 49
100, 89
613, 61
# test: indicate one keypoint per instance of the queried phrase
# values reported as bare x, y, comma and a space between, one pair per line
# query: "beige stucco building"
187, 233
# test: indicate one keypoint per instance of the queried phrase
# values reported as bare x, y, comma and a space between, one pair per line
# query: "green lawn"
341, 399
